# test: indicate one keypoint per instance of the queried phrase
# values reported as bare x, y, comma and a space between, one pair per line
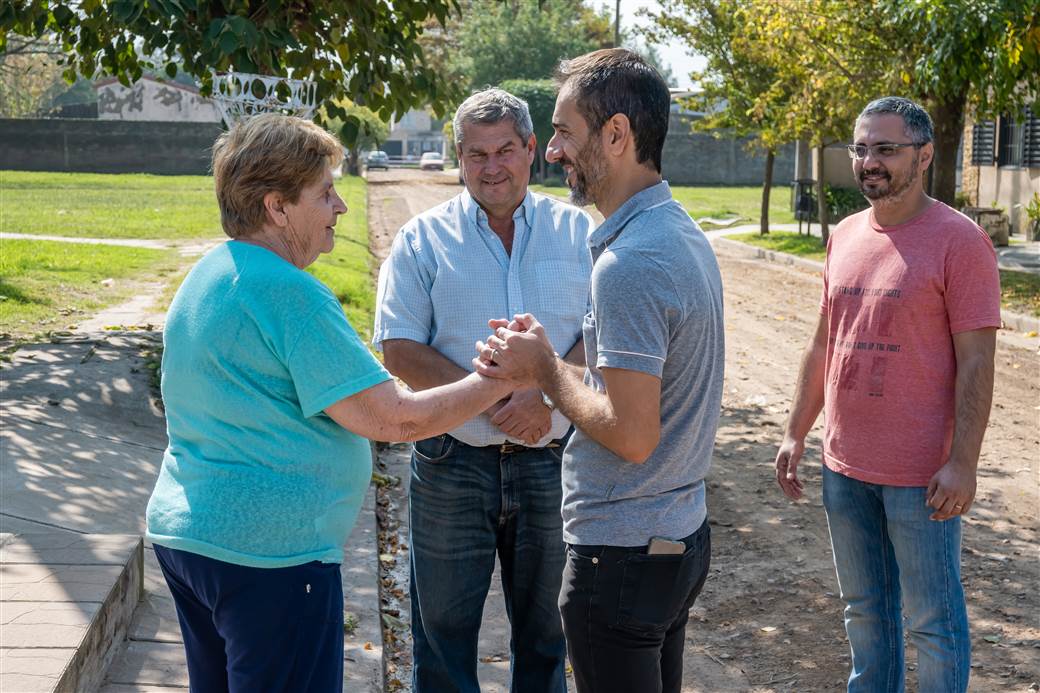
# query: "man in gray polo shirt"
646, 408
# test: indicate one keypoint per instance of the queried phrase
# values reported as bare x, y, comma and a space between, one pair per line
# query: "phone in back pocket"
660, 546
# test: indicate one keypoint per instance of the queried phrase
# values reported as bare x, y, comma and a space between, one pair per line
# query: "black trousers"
625, 611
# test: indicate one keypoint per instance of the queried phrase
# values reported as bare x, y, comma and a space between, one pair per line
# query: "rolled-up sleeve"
632, 304
404, 309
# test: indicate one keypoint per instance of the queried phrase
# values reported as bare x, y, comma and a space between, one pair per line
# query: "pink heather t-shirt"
893, 297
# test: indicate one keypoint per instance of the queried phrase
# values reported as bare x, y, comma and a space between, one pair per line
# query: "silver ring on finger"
494, 355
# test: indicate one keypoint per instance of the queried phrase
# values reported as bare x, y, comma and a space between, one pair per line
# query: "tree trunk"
353, 169
948, 120
540, 153
821, 196
767, 188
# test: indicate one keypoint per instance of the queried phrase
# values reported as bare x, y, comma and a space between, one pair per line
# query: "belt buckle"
510, 448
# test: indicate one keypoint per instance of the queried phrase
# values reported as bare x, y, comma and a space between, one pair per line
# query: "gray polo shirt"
657, 309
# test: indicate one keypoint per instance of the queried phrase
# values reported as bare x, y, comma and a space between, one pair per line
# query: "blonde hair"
267, 153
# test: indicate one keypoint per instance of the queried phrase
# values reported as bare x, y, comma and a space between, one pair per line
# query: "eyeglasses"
879, 151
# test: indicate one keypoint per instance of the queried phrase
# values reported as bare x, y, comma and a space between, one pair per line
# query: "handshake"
517, 350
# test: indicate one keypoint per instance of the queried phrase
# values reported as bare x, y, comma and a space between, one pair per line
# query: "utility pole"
617, 24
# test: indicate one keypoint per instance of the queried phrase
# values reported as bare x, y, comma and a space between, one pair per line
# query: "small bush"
841, 202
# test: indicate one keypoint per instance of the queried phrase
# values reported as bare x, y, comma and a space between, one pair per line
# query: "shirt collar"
643, 200
476, 214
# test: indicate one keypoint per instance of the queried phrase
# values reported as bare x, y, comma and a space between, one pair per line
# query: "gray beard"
892, 195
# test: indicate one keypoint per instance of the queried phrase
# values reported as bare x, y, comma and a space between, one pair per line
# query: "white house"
416, 132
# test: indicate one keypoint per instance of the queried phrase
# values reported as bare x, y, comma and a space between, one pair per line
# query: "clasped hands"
518, 351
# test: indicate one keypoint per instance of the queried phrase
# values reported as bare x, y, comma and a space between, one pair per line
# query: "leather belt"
508, 448
512, 448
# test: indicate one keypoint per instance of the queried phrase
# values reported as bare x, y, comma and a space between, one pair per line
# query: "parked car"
432, 161
377, 160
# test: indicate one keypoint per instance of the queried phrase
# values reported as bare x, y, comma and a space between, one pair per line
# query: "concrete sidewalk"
186, 247
79, 450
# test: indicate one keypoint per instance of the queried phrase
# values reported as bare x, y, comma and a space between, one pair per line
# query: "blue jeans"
891, 558
466, 504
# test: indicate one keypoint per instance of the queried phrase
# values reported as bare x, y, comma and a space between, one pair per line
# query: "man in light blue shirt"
646, 408
493, 484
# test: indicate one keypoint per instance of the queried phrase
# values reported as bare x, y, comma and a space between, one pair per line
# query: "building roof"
165, 82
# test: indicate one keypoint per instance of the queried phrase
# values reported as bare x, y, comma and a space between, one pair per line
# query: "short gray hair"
916, 121
491, 106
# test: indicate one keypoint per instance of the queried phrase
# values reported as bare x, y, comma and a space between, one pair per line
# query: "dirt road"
397, 195
769, 617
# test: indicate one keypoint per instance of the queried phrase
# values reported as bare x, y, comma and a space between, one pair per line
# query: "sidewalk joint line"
95, 436
41, 522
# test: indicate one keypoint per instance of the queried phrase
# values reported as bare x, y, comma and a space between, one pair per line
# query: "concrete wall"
106, 146
699, 158
1009, 187
837, 167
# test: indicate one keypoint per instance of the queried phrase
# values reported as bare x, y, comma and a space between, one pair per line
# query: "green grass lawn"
786, 242
1020, 291
48, 285
721, 202
347, 270
99, 205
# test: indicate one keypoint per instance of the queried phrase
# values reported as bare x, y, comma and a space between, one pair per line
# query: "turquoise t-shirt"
255, 473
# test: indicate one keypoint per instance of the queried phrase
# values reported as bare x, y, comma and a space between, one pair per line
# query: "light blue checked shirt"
448, 274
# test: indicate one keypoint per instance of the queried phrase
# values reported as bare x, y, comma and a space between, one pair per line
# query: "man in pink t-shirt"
902, 363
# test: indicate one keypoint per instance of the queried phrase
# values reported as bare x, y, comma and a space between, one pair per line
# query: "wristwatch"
548, 402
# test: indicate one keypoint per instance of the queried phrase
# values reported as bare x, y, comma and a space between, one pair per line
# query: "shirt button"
595, 561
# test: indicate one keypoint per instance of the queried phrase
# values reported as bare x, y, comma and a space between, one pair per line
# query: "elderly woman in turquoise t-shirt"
269, 397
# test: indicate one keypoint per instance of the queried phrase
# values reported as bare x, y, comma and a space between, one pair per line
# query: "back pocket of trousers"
655, 588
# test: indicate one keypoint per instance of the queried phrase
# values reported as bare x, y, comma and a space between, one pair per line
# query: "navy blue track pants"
257, 629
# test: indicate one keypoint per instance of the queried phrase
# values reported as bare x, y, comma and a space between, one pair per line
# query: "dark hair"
616, 80
916, 121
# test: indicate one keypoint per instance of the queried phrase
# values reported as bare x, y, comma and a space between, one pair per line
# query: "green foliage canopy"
983, 53
367, 51
360, 128
802, 69
540, 95
494, 41
738, 88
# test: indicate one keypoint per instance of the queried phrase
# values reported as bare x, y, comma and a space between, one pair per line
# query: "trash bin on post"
803, 202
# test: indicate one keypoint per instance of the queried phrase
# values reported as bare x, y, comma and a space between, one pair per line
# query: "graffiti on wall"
153, 100
170, 97
120, 101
